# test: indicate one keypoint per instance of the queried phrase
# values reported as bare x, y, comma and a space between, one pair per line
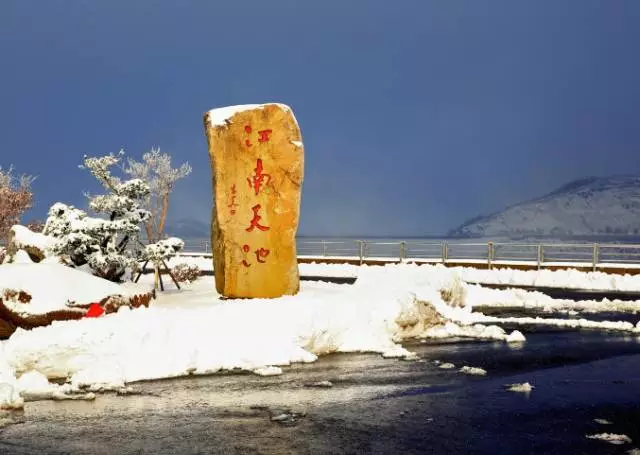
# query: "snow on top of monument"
56, 287
220, 116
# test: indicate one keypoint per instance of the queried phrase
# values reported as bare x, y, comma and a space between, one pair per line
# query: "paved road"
375, 406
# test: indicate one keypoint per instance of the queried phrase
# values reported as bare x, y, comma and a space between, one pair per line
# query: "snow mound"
35, 386
24, 238
9, 395
612, 438
268, 371
524, 387
515, 337
473, 371
21, 257
602, 421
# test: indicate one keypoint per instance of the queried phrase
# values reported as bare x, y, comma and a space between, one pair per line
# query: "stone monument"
256, 155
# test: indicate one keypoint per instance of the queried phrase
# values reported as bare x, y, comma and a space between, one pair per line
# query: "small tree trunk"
163, 214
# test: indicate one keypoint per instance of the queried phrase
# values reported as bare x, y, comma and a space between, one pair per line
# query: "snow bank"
477, 331
612, 438
194, 332
614, 326
9, 395
35, 386
569, 279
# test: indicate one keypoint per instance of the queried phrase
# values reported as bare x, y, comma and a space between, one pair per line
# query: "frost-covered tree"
15, 198
101, 242
155, 169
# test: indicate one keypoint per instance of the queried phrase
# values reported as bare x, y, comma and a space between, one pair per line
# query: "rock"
320, 384
256, 158
285, 417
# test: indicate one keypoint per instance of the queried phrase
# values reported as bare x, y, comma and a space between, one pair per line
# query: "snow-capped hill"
589, 206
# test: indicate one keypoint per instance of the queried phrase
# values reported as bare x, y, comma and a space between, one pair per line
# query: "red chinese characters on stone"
247, 129
256, 180
264, 135
245, 250
232, 204
255, 222
261, 254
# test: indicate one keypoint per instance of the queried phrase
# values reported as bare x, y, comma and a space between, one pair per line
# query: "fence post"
596, 256
489, 254
540, 256
324, 248
445, 252
361, 242
403, 251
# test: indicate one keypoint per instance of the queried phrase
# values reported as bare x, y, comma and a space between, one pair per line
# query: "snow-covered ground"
569, 279
194, 331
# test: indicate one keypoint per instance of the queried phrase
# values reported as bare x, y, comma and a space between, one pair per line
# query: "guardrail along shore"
606, 257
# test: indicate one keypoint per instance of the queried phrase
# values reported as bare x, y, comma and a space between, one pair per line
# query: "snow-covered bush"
101, 242
163, 250
3, 254
186, 273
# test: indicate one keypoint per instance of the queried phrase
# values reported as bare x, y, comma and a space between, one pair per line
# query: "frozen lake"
375, 405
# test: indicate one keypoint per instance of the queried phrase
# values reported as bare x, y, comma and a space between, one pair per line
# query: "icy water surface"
374, 405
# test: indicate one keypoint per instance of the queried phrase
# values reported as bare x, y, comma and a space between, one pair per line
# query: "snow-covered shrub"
163, 250
100, 242
3, 254
186, 273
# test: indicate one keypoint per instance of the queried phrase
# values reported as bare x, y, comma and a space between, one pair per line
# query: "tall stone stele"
256, 157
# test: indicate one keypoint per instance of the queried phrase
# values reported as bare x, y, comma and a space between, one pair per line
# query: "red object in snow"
94, 311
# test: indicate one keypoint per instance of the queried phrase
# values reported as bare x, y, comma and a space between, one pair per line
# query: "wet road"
374, 406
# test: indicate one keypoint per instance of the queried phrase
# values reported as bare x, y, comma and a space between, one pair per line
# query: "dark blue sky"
416, 115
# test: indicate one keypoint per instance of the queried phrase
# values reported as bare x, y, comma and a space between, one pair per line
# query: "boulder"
256, 156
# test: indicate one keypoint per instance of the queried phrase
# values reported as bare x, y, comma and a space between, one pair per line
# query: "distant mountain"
189, 228
590, 206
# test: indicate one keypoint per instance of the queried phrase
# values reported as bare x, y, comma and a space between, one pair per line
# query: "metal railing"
594, 255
